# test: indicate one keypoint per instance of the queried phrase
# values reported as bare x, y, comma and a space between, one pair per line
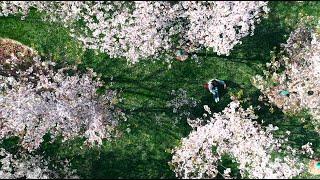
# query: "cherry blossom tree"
147, 29
234, 132
296, 71
216, 24
29, 166
36, 98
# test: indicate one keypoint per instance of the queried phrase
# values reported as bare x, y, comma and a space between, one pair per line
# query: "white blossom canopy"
146, 29
233, 132
300, 77
30, 166
36, 98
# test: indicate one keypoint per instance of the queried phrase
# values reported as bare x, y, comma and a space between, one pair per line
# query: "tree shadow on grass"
300, 132
142, 153
141, 162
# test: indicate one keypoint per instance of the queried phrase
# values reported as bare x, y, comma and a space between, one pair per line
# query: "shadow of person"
231, 84
231, 87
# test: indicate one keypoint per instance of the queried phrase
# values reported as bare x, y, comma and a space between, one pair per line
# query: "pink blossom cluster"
27, 166
300, 61
181, 103
217, 25
307, 149
37, 98
147, 29
234, 132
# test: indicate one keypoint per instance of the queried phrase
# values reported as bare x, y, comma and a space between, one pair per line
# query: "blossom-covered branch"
234, 132
36, 99
29, 166
146, 29
293, 79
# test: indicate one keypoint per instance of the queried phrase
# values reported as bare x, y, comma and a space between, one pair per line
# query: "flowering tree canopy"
30, 166
36, 98
297, 72
235, 133
144, 29
217, 25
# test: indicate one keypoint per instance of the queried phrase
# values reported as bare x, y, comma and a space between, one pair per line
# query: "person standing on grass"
214, 85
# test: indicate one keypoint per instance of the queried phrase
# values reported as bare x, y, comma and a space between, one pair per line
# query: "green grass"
50, 40
144, 152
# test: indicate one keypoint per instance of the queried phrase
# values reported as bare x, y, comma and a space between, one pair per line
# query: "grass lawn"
149, 134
